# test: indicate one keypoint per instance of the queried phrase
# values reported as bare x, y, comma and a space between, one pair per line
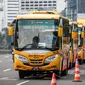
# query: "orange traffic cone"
53, 81
77, 72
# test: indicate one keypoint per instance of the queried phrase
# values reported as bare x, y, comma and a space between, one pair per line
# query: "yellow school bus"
40, 43
73, 42
81, 37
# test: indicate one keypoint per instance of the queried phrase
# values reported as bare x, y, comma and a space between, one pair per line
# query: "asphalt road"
10, 77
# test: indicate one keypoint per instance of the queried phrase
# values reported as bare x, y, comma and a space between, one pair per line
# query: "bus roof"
38, 16
44, 12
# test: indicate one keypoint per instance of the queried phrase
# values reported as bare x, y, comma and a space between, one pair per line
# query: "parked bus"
81, 39
40, 44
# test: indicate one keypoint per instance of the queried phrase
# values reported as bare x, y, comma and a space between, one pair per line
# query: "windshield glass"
42, 33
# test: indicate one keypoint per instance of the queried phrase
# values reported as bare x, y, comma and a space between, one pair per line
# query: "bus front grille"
36, 61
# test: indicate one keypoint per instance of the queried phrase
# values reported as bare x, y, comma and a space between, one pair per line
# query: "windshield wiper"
25, 46
45, 48
52, 49
38, 47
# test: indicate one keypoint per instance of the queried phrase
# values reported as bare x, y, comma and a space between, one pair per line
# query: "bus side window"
55, 41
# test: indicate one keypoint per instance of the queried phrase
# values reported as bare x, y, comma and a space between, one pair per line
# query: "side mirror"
74, 34
60, 31
10, 31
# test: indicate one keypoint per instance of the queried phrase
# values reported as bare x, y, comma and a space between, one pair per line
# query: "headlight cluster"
21, 58
50, 59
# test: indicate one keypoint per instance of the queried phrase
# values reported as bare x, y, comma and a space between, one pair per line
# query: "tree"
6, 39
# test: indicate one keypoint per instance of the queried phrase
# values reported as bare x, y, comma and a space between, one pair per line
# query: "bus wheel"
70, 65
80, 61
84, 61
21, 74
58, 73
65, 72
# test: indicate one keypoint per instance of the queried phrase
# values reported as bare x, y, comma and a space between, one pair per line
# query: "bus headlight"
22, 59
50, 59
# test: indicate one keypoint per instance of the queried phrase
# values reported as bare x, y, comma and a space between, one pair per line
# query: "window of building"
54, 1
31, 8
12, 13
54, 4
22, 2
22, 5
31, 5
45, 4
49, 4
22, 8
40, 1
45, 1
27, 8
40, 4
36, 4
13, 7
31, 1
49, 1
36, 8
36, 1
27, 2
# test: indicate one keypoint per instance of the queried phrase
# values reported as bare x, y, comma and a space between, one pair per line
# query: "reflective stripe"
77, 75
53, 81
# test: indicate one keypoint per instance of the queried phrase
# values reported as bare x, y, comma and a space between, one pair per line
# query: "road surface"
10, 77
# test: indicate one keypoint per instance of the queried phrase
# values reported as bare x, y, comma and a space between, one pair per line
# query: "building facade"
75, 9
71, 10
1, 15
81, 8
14, 7
28, 5
11, 10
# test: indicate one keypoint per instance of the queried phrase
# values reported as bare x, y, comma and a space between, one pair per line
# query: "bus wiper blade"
45, 48
25, 46
52, 49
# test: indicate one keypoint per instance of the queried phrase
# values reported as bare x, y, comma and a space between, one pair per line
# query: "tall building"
28, 5
81, 8
75, 9
71, 10
1, 15
11, 10
14, 7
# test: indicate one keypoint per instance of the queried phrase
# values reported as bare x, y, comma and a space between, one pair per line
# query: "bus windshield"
43, 31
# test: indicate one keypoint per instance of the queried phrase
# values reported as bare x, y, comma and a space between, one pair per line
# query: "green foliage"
5, 40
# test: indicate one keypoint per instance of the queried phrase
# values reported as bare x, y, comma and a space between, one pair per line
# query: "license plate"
36, 68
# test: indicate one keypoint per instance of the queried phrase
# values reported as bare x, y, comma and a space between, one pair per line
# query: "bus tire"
65, 72
80, 61
84, 61
58, 73
21, 74
70, 65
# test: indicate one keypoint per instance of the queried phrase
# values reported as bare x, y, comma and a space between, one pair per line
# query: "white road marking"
6, 56
7, 78
7, 70
22, 82
0, 61
3, 78
12, 79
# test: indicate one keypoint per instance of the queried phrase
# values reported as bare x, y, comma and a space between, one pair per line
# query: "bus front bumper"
18, 65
